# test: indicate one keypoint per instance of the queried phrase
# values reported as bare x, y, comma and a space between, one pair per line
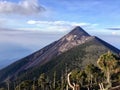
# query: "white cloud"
58, 23
31, 22
57, 26
116, 33
24, 7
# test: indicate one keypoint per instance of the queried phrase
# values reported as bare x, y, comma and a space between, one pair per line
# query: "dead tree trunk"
73, 86
68, 79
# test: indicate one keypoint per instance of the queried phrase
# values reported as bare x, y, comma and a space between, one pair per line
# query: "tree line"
104, 75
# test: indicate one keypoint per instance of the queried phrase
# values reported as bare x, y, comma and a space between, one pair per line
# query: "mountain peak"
80, 46
74, 38
79, 31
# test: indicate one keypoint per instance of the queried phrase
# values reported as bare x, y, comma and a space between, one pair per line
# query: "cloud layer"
58, 23
22, 43
57, 26
23, 7
117, 28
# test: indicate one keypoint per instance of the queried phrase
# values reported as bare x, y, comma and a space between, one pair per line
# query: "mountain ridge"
76, 38
65, 43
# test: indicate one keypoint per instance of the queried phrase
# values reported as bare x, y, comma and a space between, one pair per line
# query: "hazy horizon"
28, 25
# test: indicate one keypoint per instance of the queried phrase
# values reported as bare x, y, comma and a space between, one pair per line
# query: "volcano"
74, 50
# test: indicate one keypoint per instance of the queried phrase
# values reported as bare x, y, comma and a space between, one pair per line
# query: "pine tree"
107, 63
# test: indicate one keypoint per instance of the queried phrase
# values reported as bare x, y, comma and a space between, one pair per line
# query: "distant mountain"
74, 50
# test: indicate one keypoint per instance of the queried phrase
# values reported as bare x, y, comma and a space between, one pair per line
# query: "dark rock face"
76, 37
73, 39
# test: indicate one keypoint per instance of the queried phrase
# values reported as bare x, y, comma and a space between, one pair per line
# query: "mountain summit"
76, 37
79, 31
76, 49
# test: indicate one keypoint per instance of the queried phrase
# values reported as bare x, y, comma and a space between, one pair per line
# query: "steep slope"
77, 57
76, 37
76, 49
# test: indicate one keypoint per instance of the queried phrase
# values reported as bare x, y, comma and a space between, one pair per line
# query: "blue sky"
28, 25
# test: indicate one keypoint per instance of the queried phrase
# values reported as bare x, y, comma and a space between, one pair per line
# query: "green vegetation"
75, 58
90, 65
103, 76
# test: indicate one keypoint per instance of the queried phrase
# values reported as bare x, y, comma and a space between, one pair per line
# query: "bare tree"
73, 86
8, 83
